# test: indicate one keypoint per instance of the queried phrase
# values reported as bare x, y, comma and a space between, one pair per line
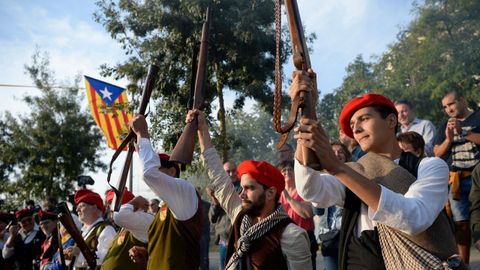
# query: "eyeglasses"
231, 171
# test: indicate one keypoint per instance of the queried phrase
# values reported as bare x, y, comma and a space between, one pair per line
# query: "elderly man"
392, 200
409, 122
97, 234
263, 236
25, 242
231, 170
48, 225
458, 142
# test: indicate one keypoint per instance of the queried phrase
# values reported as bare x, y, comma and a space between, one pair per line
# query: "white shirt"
104, 240
137, 222
426, 129
294, 241
178, 194
411, 213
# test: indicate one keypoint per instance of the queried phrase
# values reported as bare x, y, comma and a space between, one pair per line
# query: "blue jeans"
223, 253
330, 262
461, 208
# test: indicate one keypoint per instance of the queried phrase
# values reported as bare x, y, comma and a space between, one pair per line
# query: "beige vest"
438, 238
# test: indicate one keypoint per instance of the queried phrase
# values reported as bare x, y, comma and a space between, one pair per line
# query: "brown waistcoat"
438, 238
265, 252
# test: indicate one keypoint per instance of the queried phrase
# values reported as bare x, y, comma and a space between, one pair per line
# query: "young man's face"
453, 107
253, 195
370, 130
405, 114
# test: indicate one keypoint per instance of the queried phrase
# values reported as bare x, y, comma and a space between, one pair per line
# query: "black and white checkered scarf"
249, 233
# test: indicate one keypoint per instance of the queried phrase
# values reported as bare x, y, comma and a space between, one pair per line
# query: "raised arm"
180, 195
302, 208
132, 216
225, 192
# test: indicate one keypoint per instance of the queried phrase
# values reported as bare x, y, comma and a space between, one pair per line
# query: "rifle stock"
147, 92
65, 218
183, 151
304, 102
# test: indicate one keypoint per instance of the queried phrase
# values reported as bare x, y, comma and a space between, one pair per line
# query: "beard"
253, 209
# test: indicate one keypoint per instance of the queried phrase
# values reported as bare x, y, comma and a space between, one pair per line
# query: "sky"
76, 44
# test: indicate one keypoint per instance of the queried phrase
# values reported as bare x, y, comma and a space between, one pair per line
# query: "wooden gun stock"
183, 151
65, 218
147, 92
304, 102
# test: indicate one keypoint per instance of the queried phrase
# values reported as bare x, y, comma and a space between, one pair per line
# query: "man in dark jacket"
24, 243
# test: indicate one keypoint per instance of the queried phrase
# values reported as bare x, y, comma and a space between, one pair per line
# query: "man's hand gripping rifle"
304, 100
130, 139
183, 151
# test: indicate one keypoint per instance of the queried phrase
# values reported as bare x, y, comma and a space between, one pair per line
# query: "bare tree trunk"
221, 116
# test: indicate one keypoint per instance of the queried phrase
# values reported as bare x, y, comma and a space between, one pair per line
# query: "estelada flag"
109, 107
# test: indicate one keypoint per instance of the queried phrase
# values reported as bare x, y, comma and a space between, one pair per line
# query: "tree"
252, 135
46, 150
241, 53
438, 52
359, 80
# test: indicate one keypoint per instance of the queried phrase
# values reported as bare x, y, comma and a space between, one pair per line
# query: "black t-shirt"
463, 154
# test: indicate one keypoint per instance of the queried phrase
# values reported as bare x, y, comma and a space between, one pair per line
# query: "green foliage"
44, 151
359, 80
241, 53
438, 52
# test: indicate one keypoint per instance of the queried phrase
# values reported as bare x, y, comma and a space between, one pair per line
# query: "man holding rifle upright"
263, 236
174, 235
392, 200
95, 231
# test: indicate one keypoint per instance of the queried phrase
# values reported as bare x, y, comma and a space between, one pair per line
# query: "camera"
83, 180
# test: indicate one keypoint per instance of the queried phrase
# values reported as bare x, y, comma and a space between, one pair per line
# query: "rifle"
130, 139
303, 102
183, 151
60, 247
65, 218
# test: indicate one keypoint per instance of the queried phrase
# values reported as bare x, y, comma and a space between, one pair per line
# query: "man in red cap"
263, 236
392, 200
132, 214
25, 242
174, 235
48, 225
97, 234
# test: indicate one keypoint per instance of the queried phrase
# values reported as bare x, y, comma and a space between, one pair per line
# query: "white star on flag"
106, 94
